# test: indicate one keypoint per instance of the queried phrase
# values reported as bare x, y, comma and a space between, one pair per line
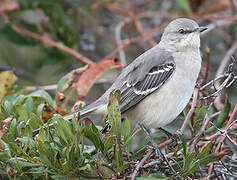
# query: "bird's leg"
174, 137
158, 151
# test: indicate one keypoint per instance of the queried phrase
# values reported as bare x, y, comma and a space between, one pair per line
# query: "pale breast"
164, 105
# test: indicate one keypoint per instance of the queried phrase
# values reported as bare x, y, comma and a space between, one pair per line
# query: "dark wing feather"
154, 78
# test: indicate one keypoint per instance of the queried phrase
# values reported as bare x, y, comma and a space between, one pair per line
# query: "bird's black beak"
202, 28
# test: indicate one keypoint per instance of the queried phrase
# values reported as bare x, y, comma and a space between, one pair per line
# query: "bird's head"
183, 34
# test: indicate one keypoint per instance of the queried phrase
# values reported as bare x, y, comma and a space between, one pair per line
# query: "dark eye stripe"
182, 31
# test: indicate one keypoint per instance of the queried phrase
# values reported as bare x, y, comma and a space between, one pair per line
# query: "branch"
48, 41
191, 111
140, 164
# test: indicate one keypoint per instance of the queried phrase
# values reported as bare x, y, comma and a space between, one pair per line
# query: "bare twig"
213, 81
232, 5
223, 137
139, 28
228, 81
122, 56
191, 111
226, 59
218, 23
202, 130
140, 164
148, 34
207, 64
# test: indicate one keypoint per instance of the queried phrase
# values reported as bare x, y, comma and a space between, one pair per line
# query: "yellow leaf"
7, 78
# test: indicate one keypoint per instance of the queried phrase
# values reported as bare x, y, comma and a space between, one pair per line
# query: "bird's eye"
181, 31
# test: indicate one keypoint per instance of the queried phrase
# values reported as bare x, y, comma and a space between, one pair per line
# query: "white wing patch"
145, 92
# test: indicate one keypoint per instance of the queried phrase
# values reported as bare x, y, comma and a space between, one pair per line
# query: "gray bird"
158, 84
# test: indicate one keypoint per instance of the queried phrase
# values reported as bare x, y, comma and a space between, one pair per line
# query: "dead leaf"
7, 78
4, 128
223, 153
88, 78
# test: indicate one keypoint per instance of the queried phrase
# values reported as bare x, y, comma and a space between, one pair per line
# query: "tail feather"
83, 113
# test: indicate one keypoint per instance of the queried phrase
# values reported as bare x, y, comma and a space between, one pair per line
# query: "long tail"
83, 113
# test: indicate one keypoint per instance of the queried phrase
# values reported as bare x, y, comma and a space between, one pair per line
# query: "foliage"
64, 152
40, 40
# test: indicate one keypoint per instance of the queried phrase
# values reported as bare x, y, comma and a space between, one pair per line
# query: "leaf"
108, 144
126, 130
35, 17
114, 115
184, 4
61, 132
92, 133
19, 100
39, 110
91, 74
64, 125
12, 130
63, 81
22, 112
29, 105
7, 79
206, 150
35, 121
14, 36
188, 161
25, 140
184, 143
220, 120
118, 157
208, 159
46, 153
41, 94
23, 162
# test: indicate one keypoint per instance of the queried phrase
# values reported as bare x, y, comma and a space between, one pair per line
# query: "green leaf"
114, 115
220, 120
26, 140
92, 133
206, 150
63, 81
184, 4
126, 130
188, 161
22, 112
29, 105
153, 176
12, 129
16, 37
108, 144
184, 143
64, 125
35, 121
43, 95
208, 159
118, 157
61, 132
23, 162
19, 100
40, 110
46, 154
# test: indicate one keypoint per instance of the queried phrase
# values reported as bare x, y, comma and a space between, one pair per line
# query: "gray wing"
144, 78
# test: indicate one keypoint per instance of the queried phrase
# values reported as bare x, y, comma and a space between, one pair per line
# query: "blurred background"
97, 28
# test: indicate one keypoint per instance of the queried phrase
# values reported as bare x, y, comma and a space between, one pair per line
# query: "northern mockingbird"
158, 84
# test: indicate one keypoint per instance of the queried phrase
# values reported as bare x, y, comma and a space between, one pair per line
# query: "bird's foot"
175, 137
155, 145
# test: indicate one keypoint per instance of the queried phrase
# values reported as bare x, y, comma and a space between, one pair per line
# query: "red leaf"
88, 78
